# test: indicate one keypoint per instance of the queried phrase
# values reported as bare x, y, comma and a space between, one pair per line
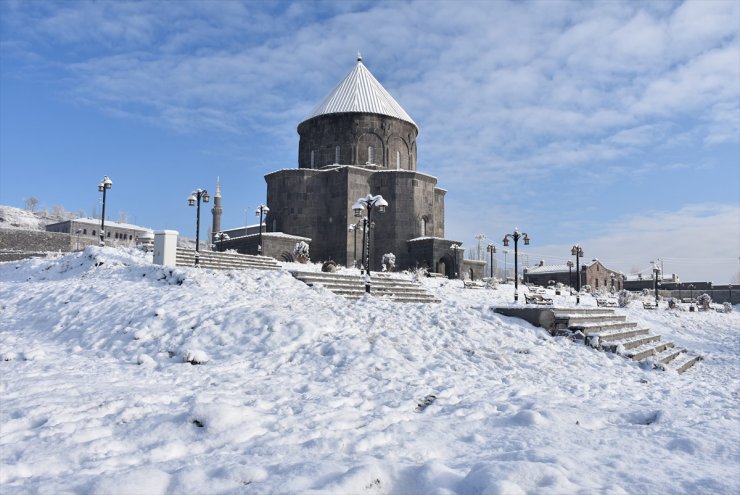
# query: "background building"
593, 273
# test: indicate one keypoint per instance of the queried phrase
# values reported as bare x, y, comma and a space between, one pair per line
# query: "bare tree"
31, 203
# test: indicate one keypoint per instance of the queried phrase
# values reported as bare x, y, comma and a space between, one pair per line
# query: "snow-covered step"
605, 327
683, 362
631, 342
647, 350
668, 355
619, 334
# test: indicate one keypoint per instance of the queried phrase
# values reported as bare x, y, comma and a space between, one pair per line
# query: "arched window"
398, 159
370, 155
93, 232
109, 233
423, 227
336, 154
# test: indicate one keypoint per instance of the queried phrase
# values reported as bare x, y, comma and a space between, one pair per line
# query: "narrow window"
336, 154
109, 233
93, 232
423, 226
84, 231
370, 157
312, 159
398, 159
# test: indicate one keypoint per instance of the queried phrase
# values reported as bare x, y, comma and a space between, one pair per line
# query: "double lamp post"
516, 235
368, 203
195, 198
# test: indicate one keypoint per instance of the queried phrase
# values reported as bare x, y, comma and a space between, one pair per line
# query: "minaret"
217, 210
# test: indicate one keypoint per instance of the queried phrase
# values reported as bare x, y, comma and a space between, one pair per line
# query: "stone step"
683, 362
587, 319
619, 334
353, 286
631, 342
647, 350
566, 312
594, 329
668, 355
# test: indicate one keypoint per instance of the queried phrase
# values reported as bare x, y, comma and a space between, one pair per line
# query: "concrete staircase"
603, 329
353, 286
225, 261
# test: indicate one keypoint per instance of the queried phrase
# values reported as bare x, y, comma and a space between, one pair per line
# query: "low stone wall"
275, 245
35, 241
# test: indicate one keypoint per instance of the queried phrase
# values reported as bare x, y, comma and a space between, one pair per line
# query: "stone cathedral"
359, 140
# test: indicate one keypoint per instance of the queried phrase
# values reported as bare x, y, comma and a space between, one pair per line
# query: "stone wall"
34, 241
275, 245
393, 141
318, 204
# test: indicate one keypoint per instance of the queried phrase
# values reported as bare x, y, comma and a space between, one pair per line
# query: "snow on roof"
108, 223
360, 92
548, 269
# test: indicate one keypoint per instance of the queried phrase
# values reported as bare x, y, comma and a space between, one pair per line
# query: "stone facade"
318, 204
357, 139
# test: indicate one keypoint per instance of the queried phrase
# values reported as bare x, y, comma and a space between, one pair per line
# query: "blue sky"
614, 125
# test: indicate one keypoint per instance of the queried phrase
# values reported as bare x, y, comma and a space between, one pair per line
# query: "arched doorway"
446, 265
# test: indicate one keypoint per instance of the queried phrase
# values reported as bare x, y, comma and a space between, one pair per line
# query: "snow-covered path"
304, 392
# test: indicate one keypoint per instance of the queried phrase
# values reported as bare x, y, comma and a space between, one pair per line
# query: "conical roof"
360, 92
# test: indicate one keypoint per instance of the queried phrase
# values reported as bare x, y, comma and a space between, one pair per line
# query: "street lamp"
368, 202
454, 248
570, 275
691, 291
656, 270
222, 236
516, 236
353, 227
491, 249
195, 198
104, 185
577, 251
261, 210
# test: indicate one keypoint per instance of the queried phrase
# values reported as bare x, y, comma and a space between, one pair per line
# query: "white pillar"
165, 247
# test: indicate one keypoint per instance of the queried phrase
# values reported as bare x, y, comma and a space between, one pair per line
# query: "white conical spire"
360, 92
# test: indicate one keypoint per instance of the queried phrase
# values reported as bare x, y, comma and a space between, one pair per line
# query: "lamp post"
491, 249
222, 236
506, 267
656, 270
691, 291
105, 184
454, 248
368, 202
261, 210
516, 235
353, 227
729, 288
577, 251
195, 199
570, 274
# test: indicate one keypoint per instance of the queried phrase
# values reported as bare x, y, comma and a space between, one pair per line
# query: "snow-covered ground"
303, 392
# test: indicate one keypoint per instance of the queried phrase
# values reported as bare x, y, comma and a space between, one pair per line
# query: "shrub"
704, 301
624, 297
389, 262
300, 252
727, 306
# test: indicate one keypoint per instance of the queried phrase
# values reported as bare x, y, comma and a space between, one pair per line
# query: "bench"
649, 305
606, 303
537, 299
473, 284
